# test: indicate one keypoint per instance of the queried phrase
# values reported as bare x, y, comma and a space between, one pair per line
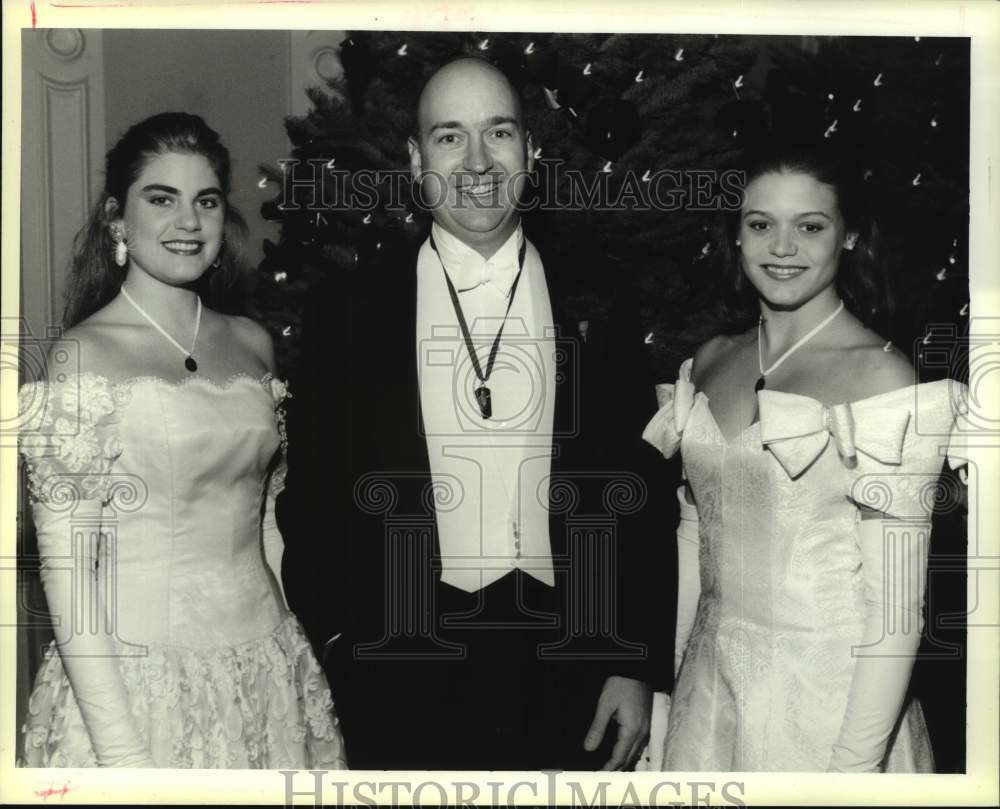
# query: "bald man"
470, 539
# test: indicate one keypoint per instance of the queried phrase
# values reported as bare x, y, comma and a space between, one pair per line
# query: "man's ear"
529, 147
416, 161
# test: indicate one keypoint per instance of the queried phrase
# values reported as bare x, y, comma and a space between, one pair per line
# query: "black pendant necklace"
484, 398
761, 380
189, 362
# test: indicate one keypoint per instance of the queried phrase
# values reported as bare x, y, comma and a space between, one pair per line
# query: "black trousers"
482, 694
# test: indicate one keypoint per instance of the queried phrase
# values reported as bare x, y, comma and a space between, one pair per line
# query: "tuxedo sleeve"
647, 567
310, 508
621, 400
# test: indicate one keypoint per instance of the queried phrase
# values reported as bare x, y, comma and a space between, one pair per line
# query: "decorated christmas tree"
636, 121
640, 122
604, 112
901, 107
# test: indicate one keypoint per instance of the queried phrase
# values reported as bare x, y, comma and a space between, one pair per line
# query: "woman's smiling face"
791, 234
173, 219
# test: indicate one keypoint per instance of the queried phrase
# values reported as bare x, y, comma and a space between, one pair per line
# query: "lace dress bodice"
213, 662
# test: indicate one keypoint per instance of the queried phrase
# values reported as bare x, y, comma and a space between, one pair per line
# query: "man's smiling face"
472, 153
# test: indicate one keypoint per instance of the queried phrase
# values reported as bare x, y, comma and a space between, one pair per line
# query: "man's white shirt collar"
467, 268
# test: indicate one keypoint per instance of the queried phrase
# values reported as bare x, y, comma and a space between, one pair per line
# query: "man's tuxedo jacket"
357, 499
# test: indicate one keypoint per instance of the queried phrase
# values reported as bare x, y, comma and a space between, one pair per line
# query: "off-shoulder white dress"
212, 669
768, 666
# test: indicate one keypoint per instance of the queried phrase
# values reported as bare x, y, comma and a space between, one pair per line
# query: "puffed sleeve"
667, 425
274, 545
69, 440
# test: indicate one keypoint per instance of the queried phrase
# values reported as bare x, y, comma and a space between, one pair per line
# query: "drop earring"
121, 248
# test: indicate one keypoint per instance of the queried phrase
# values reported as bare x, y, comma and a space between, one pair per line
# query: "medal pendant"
483, 399
190, 364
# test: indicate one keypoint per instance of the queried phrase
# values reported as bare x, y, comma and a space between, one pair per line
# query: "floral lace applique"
68, 436
264, 704
280, 395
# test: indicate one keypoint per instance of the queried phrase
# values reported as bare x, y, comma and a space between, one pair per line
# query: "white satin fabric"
217, 672
769, 665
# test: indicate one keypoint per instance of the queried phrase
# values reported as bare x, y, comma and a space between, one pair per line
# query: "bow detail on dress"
666, 427
796, 429
961, 429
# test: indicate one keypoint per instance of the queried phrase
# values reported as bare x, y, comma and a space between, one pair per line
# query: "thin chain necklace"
189, 362
759, 386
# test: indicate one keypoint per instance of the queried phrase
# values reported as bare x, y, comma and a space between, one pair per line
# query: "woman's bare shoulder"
881, 368
715, 351
252, 336
94, 345
872, 365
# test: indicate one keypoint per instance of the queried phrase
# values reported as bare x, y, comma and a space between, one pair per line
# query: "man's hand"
630, 702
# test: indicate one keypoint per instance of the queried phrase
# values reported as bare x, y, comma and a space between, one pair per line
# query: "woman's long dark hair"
95, 278
861, 278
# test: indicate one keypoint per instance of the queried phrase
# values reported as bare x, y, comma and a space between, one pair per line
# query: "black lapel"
395, 388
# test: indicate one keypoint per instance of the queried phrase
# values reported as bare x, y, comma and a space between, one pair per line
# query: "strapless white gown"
218, 673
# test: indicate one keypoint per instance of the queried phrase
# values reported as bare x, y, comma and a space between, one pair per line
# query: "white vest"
491, 475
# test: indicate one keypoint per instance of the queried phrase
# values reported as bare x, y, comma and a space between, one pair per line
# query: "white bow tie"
475, 271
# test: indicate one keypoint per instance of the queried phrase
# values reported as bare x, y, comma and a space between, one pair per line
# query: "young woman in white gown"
154, 453
811, 461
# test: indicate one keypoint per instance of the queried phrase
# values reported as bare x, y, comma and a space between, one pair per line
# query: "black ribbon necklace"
482, 393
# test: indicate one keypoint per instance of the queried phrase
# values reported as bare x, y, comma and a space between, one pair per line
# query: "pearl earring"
121, 248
